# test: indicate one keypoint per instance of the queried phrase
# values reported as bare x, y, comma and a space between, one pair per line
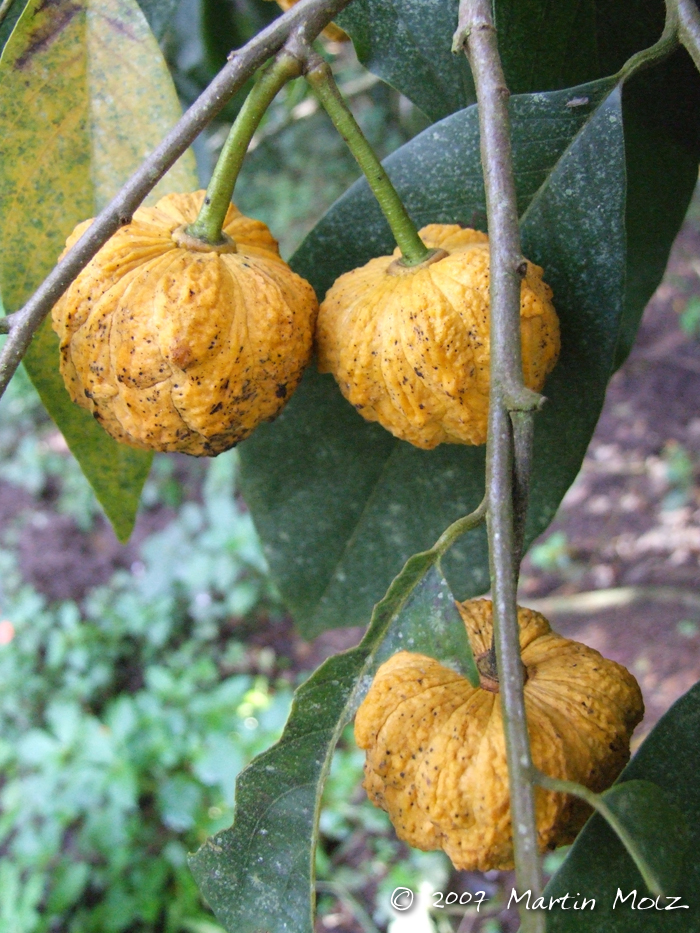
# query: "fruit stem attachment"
208, 225
509, 443
413, 249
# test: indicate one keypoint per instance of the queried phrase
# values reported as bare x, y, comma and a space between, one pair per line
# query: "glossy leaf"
263, 866
339, 503
84, 96
543, 46
546, 46
598, 865
408, 44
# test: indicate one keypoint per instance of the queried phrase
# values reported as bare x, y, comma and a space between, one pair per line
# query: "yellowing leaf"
85, 95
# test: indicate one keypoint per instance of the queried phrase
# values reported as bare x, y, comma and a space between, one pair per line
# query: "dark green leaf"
74, 124
227, 26
259, 874
339, 503
408, 44
598, 865
641, 812
544, 46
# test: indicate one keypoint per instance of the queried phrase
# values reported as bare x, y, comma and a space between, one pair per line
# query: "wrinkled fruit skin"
436, 759
409, 347
178, 349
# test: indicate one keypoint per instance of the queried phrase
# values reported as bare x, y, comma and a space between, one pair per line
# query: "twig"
342, 893
689, 28
523, 433
5, 9
304, 22
508, 394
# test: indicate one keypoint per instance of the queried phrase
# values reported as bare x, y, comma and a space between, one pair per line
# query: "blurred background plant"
137, 681
132, 694
126, 715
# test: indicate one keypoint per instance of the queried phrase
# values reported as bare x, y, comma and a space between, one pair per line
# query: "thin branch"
508, 394
689, 28
5, 9
302, 23
523, 434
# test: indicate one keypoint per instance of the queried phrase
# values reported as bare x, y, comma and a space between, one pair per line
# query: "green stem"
413, 250
666, 44
460, 527
210, 221
598, 803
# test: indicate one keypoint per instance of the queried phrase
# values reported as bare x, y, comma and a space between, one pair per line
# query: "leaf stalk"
597, 802
667, 43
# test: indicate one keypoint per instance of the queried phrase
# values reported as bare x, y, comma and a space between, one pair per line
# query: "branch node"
459, 40
520, 398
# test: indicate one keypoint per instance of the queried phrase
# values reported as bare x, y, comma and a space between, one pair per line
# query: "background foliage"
132, 710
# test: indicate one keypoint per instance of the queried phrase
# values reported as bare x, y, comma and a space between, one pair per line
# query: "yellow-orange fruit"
332, 32
175, 346
436, 759
409, 347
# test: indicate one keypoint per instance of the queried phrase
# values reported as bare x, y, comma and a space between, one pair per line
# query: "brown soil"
632, 518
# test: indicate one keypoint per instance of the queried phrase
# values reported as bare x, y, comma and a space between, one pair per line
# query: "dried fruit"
176, 346
409, 346
436, 759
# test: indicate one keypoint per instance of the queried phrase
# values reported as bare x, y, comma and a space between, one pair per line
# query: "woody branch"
509, 445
